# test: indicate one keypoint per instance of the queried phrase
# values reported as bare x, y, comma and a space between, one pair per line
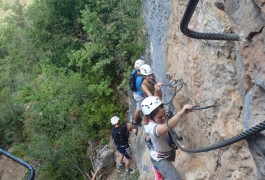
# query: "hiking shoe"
120, 166
130, 171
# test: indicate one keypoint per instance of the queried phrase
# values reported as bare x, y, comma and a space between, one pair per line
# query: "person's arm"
129, 126
158, 91
96, 173
146, 90
163, 128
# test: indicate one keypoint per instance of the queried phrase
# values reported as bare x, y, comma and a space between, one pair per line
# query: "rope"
197, 35
30, 168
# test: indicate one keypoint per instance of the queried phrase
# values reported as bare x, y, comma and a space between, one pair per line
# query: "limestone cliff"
230, 74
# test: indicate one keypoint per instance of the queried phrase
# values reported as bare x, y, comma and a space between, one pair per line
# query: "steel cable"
30, 168
197, 35
252, 131
175, 84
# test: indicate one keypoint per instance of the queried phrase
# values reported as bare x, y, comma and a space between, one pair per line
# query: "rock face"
104, 158
229, 74
10, 169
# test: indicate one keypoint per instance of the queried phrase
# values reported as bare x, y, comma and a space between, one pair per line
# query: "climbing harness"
30, 168
197, 35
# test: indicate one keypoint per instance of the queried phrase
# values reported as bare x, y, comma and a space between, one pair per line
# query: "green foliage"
55, 28
61, 62
136, 175
17, 67
118, 32
66, 110
11, 122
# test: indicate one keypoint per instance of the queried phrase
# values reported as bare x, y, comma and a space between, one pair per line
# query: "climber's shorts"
138, 98
125, 150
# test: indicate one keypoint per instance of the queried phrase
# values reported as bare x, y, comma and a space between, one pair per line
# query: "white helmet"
114, 120
146, 70
138, 63
149, 104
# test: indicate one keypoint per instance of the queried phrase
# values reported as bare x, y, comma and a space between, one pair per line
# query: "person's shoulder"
144, 82
149, 127
124, 126
152, 123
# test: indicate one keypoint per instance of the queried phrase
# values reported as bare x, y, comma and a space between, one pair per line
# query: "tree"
60, 75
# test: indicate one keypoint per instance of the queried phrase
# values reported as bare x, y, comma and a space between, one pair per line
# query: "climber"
150, 88
162, 153
146, 86
149, 85
120, 134
135, 81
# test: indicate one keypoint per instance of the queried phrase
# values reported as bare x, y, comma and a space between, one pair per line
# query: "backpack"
132, 81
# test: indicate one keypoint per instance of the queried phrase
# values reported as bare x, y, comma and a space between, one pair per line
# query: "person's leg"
125, 151
128, 156
119, 164
121, 159
138, 98
137, 111
166, 168
158, 175
127, 164
136, 115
